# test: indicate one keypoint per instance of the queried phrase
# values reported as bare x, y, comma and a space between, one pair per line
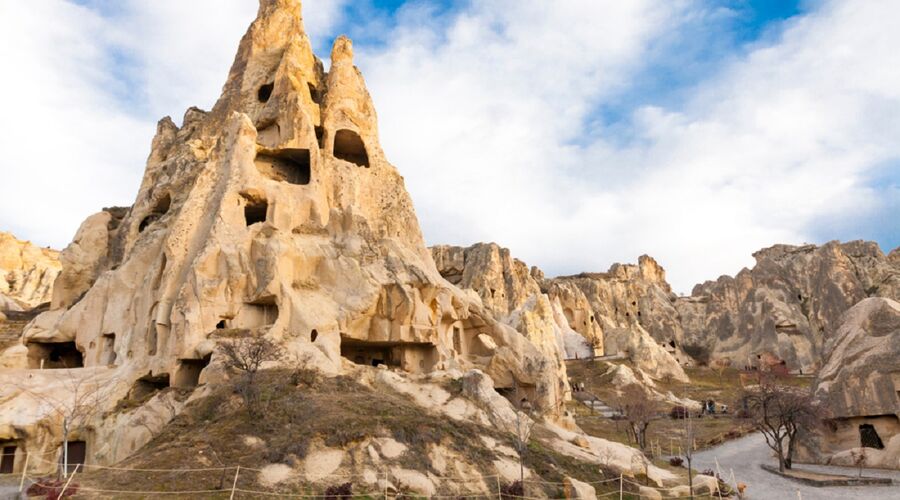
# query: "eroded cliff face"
859, 383
789, 304
580, 312
274, 213
27, 273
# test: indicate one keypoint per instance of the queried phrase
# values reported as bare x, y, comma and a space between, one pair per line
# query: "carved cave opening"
160, 208
255, 211
349, 146
869, 438
292, 165
54, 355
187, 374
409, 356
148, 385
265, 92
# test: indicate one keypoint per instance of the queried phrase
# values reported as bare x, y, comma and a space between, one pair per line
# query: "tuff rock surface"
27, 273
860, 385
275, 213
789, 305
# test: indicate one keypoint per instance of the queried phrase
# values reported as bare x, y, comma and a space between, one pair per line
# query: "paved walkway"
744, 456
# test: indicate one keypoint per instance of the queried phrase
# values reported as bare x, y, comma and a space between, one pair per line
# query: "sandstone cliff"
789, 304
27, 273
859, 383
276, 213
510, 292
578, 311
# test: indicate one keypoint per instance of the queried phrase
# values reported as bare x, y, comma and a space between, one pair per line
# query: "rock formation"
27, 273
860, 385
276, 213
582, 312
789, 304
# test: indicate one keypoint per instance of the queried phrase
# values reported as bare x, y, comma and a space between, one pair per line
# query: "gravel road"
744, 456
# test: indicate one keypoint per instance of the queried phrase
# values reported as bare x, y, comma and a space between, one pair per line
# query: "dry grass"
303, 409
668, 433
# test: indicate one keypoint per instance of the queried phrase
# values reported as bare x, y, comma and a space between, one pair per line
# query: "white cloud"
481, 120
490, 114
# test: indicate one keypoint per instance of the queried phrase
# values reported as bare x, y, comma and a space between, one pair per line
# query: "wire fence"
238, 481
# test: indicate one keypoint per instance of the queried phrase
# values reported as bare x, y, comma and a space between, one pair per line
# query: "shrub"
513, 490
678, 412
51, 488
341, 491
676, 461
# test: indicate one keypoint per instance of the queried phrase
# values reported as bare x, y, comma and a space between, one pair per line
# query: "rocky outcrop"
860, 385
508, 290
788, 305
575, 311
27, 273
861, 374
277, 214
631, 310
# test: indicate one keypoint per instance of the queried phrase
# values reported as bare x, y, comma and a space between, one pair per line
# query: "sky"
577, 133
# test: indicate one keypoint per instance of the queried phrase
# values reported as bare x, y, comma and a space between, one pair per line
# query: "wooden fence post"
62, 493
234, 483
24, 472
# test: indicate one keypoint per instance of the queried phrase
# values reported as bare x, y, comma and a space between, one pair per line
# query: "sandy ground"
744, 456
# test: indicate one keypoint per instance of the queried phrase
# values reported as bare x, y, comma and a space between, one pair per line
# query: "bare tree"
247, 355
779, 412
81, 401
638, 409
526, 418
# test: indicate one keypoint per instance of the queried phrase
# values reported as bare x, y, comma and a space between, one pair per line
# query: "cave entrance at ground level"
414, 357
869, 438
76, 454
7, 458
54, 355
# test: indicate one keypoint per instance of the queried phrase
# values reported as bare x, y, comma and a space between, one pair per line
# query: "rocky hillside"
587, 313
27, 273
789, 304
786, 308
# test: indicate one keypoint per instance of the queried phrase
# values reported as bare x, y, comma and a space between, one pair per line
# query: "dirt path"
744, 456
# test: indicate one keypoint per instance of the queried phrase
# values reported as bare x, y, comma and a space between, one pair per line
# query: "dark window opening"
314, 93
220, 325
672, 343
265, 92
633, 303
76, 454
869, 438
639, 313
376, 362
313, 336
799, 297
627, 315
348, 146
187, 375
286, 165
255, 211
54, 355
8, 459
